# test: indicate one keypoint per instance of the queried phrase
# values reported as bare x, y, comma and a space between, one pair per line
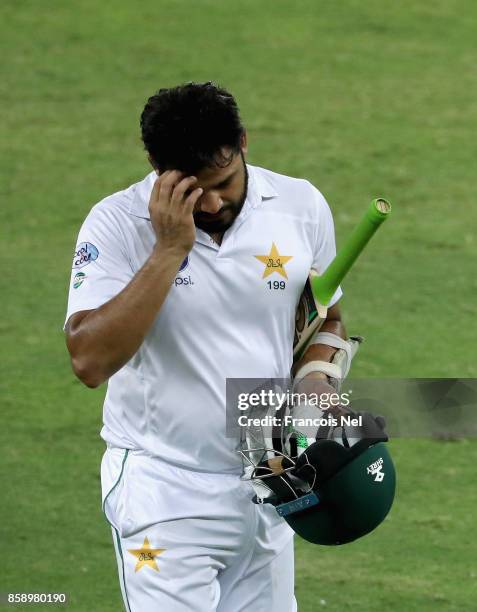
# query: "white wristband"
330, 369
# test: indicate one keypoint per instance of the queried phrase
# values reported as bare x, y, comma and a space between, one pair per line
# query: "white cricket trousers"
189, 541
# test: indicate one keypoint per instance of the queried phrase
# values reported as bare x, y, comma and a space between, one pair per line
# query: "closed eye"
222, 185
225, 182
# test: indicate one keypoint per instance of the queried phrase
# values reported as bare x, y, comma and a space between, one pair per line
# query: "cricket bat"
318, 291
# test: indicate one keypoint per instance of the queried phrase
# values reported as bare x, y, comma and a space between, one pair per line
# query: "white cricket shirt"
229, 313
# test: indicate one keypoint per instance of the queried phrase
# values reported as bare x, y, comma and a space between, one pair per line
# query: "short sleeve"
325, 244
100, 267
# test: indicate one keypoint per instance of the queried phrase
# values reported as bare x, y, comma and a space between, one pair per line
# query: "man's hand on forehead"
176, 183
171, 205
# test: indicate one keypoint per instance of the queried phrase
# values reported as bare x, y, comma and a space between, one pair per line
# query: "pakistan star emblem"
274, 262
146, 555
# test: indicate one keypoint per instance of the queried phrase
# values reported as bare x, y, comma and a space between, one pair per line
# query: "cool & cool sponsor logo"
85, 253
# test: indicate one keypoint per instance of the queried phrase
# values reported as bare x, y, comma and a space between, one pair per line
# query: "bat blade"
310, 316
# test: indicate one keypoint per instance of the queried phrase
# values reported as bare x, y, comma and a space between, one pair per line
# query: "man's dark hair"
185, 127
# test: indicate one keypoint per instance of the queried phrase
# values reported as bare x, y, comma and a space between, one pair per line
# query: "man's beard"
220, 222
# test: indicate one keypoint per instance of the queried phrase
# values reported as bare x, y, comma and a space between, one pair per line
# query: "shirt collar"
262, 184
259, 189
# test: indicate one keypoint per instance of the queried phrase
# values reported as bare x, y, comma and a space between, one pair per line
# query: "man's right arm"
103, 340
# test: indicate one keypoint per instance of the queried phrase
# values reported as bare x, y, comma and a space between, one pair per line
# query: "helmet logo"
375, 470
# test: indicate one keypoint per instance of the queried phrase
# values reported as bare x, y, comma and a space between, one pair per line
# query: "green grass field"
363, 98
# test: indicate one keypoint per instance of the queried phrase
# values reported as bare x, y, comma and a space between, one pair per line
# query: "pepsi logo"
184, 264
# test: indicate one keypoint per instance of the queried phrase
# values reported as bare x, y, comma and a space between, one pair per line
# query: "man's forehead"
218, 173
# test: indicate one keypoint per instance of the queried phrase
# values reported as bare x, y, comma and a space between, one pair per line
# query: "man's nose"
211, 202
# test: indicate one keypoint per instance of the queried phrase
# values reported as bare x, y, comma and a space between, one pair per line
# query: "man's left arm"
323, 352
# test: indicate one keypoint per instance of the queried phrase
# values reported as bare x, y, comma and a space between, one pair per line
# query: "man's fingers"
170, 178
181, 188
155, 190
191, 200
172, 192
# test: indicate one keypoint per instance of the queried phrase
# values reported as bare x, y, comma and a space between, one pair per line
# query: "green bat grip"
325, 285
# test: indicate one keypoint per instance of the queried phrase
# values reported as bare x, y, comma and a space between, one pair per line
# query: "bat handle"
324, 286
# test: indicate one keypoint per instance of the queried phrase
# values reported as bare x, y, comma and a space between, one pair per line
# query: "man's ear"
243, 141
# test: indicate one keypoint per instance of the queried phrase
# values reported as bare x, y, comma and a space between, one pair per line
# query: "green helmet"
333, 492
